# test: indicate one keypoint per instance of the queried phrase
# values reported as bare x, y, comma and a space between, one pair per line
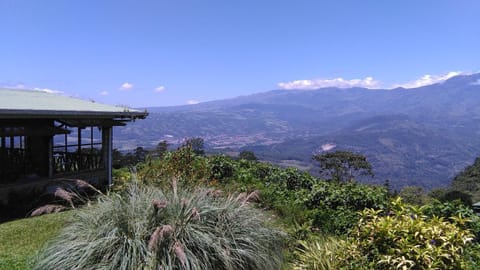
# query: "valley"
421, 136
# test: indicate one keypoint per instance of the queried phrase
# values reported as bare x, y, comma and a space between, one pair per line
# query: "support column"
51, 160
107, 152
3, 157
79, 150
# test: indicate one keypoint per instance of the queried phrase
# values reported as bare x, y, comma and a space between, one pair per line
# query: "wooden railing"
69, 162
14, 163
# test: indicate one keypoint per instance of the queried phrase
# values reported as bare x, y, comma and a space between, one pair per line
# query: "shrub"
291, 179
403, 238
452, 209
150, 229
333, 206
414, 195
182, 164
221, 167
453, 195
247, 155
319, 254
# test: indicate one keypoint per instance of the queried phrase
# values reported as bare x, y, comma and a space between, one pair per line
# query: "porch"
45, 137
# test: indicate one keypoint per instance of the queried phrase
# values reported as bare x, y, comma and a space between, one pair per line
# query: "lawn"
20, 240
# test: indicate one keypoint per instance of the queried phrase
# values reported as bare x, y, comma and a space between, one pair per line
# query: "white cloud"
47, 90
13, 85
126, 86
429, 79
476, 83
104, 93
192, 102
367, 82
159, 89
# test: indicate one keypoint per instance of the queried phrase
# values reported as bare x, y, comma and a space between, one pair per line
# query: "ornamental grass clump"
147, 228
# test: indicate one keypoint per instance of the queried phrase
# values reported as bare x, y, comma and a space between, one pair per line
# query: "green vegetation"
343, 166
247, 155
148, 228
468, 181
331, 223
401, 237
184, 210
20, 240
413, 141
318, 254
404, 238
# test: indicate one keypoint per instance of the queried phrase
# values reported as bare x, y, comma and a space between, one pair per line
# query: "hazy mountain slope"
402, 150
413, 136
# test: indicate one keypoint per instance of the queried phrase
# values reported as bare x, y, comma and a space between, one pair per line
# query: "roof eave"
50, 114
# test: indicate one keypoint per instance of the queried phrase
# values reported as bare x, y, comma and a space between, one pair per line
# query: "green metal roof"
31, 103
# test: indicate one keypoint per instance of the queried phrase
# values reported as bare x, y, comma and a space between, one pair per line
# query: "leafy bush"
414, 195
319, 254
247, 155
404, 238
452, 209
332, 221
333, 206
150, 229
349, 195
291, 179
122, 178
285, 203
453, 195
221, 167
182, 164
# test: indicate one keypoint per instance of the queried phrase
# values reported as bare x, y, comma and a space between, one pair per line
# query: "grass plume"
147, 228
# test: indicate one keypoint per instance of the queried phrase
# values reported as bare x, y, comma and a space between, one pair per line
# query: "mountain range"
418, 136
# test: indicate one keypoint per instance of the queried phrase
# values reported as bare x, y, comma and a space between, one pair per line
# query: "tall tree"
343, 166
247, 155
161, 149
196, 144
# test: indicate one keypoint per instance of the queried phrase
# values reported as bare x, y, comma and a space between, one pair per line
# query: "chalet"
45, 136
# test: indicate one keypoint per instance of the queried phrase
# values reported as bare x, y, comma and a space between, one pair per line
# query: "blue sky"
162, 53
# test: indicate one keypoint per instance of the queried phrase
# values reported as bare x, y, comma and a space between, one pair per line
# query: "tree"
343, 166
468, 181
196, 144
117, 159
414, 195
465, 198
161, 149
247, 155
140, 154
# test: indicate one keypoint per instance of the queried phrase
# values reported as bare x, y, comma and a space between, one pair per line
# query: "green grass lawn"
20, 240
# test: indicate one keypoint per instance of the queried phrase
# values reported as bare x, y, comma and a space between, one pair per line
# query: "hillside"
419, 136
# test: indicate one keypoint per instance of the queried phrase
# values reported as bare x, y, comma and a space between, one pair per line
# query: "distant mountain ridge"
419, 136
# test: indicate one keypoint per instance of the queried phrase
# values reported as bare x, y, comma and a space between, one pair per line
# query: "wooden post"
79, 139
3, 157
91, 140
79, 149
107, 152
51, 161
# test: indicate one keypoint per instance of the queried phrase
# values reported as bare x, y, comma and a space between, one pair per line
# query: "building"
45, 136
